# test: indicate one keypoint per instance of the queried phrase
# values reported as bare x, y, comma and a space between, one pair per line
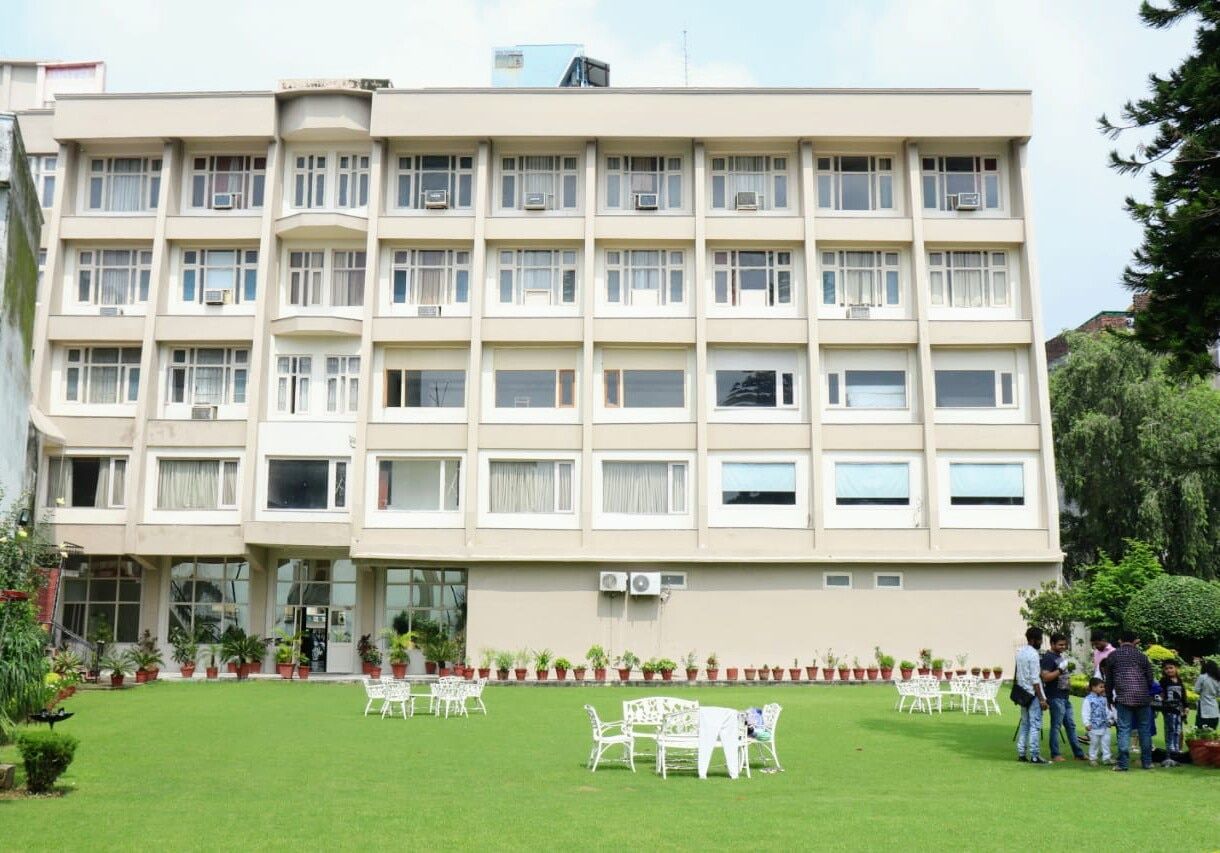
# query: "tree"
1138, 453
1182, 612
1176, 263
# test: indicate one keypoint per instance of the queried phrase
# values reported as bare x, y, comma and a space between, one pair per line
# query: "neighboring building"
326, 355
547, 65
34, 84
1057, 347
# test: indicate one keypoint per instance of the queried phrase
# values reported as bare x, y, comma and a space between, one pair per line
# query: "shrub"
46, 756
1159, 654
1181, 611
1079, 685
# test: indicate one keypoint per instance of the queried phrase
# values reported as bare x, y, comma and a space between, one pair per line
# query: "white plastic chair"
374, 691
679, 733
928, 695
398, 693
771, 714
603, 741
743, 738
906, 692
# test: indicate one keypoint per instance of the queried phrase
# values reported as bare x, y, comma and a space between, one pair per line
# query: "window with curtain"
309, 180
860, 278
855, 182
209, 595
124, 184
104, 600
305, 271
420, 174
235, 180
969, 279
755, 389
353, 190
418, 485
765, 176
97, 482
113, 276
535, 389
306, 484
530, 486
644, 488
232, 271
208, 376
758, 483
42, 170
537, 277
552, 176
644, 389
750, 277
986, 484
98, 375
342, 383
867, 389
973, 389
872, 484
628, 177
292, 380
945, 177
184, 484
430, 277
645, 277
347, 278
425, 389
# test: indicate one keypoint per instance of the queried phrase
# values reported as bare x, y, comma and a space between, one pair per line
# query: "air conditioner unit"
222, 201
967, 201
645, 583
203, 413
535, 201
428, 311
857, 312
646, 201
110, 311
436, 199
217, 296
746, 200
612, 582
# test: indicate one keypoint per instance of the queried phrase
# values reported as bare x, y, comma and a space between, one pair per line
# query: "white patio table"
718, 727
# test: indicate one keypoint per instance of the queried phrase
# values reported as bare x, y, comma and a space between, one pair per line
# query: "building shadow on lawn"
952, 731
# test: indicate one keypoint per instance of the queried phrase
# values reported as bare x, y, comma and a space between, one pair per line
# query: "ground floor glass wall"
436, 596
104, 602
209, 595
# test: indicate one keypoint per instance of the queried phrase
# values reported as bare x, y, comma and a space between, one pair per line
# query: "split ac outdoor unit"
217, 296
535, 201
222, 201
646, 201
645, 583
747, 200
857, 312
967, 201
110, 311
428, 311
612, 582
203, 413
436, 199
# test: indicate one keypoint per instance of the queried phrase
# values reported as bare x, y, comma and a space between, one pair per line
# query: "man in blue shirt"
1057, 687
1028, 676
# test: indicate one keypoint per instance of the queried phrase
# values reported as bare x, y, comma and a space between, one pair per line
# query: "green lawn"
268, 765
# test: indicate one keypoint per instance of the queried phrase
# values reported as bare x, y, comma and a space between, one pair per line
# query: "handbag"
1020, 696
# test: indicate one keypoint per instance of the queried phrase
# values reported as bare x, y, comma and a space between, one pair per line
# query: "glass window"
418, 485
834, 580
306, 484
293, 375
644, 488
887, 581
113, 276
537, 277
347, 279
99, 375
187, 484
645, 389
98, 482
124, 184
947, 179
643, 183
309, 180
104, 602
219, 276
755, 389
645, 277
208, 596
412, 389
430, 277
207, 376
353, 180
530, 486
42, 171
872, 484
435, 182
538, 182
342, 383
535, 389
426, 598
753, 278
965, 389
855, 182
758, 483
749, 182
876, 389
969, 279
227, 181
986, 484
860, 278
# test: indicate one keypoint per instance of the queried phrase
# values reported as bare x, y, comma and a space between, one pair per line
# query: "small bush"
46, 756
1079, 685
1182, 612
1160, 654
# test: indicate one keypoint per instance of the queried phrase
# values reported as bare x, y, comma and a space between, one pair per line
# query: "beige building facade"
329, 354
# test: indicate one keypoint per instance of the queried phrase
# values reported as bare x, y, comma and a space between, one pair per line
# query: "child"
1173, 706
1208, 688
1096, 714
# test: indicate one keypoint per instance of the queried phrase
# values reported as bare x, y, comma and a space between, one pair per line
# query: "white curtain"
103, 383
115, 286
639, 488
59, 481
414, 485
119, 484
876, 389
986, 480
677, 501
525, 486
747, 175
101, 492
430, 286
126, 180
188, 483
228, 492
538, 177
865, 480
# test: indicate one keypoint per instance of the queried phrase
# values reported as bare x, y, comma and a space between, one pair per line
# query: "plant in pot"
691, 664
101, 634
562, 665
857, 669
428, 633
371, 657
764, 672
987, 673
811, 671
649, 668
542, 663
67, 665
1204, 746
925, 661
253, 650
907, 668
284, 656
186, 651
398, 647
230, 648
731, 672
599, 660
751, 672
666, 667
485, 658
961, 663
119, 666
794, 671
148, 644
997, 671
885, 662
625, 663
777, 673
144, 661
504, 662
938, 667
844, 670
212, 670
829, 662
303, 666
713, 667
363, 645
521, 662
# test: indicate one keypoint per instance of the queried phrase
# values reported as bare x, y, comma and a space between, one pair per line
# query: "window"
292, 383
758, 483
428, 597
424, 389
224, 182
530, 486
872, 484
342, 382
752, 278
97, 482
104, 600
347, 279
645, 389
309, 180
757, 389
867, 389
535, 389
353, 180
305, 278
860, 278
418, 485
230, 275
306, 484
986, 484
632, 182
42, 268
431, 277
973, 389
102, 375
887, 581
553, 178
124, 184
209, 595
184, 484
42, 171
969, 279
855, 182
429, 173
330, 584
765, 177
673, 580
945, 177
644, 488
208, 376
836, 580
538, 277
645, 277
113, 276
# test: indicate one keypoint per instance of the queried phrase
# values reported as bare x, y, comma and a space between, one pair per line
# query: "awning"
46, 426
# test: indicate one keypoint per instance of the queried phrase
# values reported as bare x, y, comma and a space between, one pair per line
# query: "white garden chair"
679, 733
474, 693
374, 691
743, 738
766, 747
398, 693
907, 692
983, 695
448, 695
642, 717
927, 692
603, 740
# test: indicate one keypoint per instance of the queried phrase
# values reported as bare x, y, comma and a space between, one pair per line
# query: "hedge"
1181, 612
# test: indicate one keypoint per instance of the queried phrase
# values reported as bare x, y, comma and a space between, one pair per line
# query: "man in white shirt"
1027, 675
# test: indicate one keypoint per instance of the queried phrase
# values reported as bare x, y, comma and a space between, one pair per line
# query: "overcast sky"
1079, 58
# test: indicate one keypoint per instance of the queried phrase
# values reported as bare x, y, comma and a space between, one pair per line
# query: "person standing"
1127, 682
1101, 650
1173, 708
1056, 683
1096, 713
1207, 685
1027, 673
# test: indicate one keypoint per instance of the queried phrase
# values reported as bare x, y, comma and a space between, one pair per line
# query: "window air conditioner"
646, 201
857, 312
967, 201
428, 311
612, 582
110, 311
746, 200
436, 199
217, 296
222, 201
535, 201
203, 413
645, 583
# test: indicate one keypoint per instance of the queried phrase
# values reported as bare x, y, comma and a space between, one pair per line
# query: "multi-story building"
325, 355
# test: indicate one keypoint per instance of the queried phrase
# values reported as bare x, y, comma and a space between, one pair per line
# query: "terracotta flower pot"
365, 666
520, 672
600, 673
828, 674
873, 672
484, 671
399, 670
886, 672
502, 674
857, 673
212, 672
303, 672
794, 673
561, 674
811, 672
692, 674
154, 673
116, 680
777, 673
998, 673
375, 672
430, 667
648, 675
141, 676
284, 670
623, 674
578, 673
667, 675
751, 673
987, 673
242, 671
960, 671
938, 673
232, 667
844, 673
764, 674
444, 671
974, 670
541, 674
187, 670
731, 673
923, 670
713, 674
1211, 753
907, 673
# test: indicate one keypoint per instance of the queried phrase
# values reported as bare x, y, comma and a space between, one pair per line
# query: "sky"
1079, 58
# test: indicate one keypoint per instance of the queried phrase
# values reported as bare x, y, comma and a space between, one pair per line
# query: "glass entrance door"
317, 598
312, 625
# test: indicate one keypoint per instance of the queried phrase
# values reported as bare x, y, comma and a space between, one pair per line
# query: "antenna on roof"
685, 63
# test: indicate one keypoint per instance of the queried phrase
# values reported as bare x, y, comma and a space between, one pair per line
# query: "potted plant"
649, 668
186, 650
152, 655
1204, 747
119, 665
67, 664
521, 662
907, 668
562, 665
284, 656
691, 664
844, 671
997, 671
732, 672
599, 660
961, 663
713, 667
542, 663
829, 662
503, 662
254, 649
212, 671
811, 671
399, 647
938, 667
857, 670
362, 649
303, 663
764, 672
371, 657
884, 662
777, 673
231, 642
626, 662
872, 673
486, 656
578, 671
666, 667
751, 672
925, 661
144, 662
987, 673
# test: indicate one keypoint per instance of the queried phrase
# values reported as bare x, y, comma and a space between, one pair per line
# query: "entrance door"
339, 646
313, 622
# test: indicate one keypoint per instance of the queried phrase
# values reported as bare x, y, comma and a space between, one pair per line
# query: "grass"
272, 766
